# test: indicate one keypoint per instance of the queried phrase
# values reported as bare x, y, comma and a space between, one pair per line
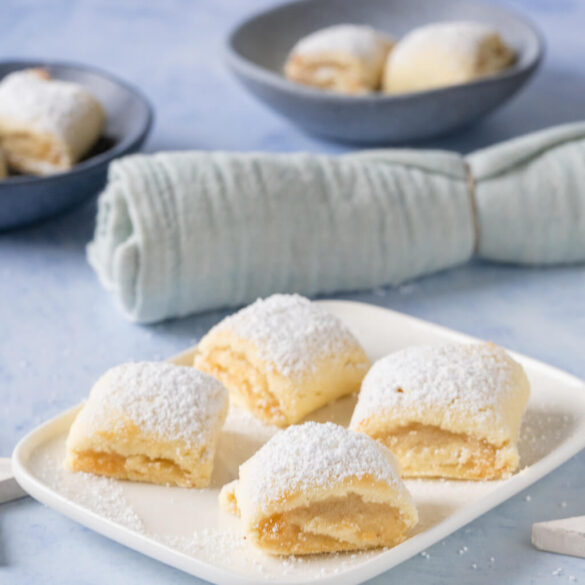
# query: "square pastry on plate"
449, 411
283, 357
317, 488
150, 421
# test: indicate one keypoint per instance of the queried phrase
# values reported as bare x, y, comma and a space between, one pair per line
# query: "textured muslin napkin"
182, 232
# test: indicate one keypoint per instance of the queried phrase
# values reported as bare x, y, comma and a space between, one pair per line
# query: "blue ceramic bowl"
25, 199
257, 49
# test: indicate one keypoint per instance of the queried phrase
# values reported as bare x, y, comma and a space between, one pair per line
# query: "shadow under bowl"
256, 51
25, 199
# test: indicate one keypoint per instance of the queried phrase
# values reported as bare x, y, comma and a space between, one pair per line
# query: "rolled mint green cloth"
183, 232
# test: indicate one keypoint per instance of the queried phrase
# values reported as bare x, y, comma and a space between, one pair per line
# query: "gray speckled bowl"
257, 49
25, 199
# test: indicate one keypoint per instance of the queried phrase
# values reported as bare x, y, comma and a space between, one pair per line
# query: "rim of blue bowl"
123, 146
279, 81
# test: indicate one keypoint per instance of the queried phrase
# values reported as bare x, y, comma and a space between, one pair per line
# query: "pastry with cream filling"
46, 125
317, 488
451, 411
443, 54
344, 58
283, 357
150, 421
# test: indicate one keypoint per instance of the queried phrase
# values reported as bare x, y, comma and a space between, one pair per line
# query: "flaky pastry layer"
341, 520
428, 451
333, 524
334, 72
129, 454
139, 468
149, 421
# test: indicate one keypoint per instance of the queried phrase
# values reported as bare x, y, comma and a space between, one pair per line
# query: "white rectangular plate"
186, 529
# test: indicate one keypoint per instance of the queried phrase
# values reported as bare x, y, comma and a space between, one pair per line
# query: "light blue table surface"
59, 330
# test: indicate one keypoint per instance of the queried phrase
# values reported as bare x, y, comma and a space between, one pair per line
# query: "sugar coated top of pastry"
172, 402
458, 39
31, 97
361, 41
476, 379
314, 455
290, 332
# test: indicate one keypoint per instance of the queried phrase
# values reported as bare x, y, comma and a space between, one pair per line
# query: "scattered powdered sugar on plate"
174, 402
290, 332
101, 495
240, 420
543, 429
242, 435
216, 545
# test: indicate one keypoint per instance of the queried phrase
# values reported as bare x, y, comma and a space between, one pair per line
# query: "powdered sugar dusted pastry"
46, 125
283, 357
443, 54
319, 488
345, 58
150, 421
446, 411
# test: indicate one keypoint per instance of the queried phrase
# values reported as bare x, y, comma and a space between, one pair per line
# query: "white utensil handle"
566, 536
9, 489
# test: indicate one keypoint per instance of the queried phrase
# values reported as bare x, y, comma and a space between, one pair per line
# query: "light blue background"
59, 330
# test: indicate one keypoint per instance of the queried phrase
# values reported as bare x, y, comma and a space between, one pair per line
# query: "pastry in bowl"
443, 54
345, 58
46, 125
